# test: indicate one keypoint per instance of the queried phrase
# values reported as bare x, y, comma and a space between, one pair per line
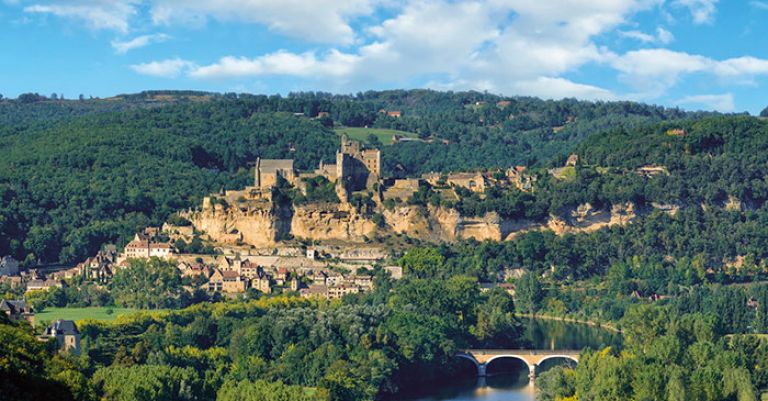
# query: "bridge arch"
566, 357
530, 367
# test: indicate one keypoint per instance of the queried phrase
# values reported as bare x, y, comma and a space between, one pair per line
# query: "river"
511, 383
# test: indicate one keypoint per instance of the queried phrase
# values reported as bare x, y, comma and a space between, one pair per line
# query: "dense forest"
77, 173
686, 288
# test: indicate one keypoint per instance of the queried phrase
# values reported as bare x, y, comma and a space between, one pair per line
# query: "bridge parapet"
531, 357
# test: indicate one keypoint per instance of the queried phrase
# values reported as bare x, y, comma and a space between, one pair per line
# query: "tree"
148, 383
529, 293
148, 284
555, 384
496, 325
422, 262
24, 365
264, 391
764, 113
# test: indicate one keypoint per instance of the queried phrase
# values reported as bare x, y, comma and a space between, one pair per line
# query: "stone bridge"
531, 357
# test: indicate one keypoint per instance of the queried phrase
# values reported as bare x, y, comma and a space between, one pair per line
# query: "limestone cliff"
264, 227
331, 222
260, 227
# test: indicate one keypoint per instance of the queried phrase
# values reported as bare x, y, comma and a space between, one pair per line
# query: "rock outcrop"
331, 222
265, 227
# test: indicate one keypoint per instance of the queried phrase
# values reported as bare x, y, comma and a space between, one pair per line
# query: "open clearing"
384, 135
96, 313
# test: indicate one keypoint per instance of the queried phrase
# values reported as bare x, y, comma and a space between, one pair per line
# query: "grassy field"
384, 135
101, 313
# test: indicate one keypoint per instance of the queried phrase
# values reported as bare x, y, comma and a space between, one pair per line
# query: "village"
235, 261
233, 268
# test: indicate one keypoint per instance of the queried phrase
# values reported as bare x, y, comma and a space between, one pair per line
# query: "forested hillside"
75, 174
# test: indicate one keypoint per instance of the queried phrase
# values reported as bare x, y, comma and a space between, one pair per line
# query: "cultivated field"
384, 135
98, 313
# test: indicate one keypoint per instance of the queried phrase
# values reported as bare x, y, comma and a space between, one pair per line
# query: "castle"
356, 169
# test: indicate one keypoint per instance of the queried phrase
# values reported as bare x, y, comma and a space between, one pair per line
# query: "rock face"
331, 222
265, 227
258, 227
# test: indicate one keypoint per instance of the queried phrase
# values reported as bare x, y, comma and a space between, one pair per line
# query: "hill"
75, 174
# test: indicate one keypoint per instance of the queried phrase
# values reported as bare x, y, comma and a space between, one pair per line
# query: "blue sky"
695, 54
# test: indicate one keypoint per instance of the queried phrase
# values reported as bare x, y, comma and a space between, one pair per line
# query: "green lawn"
361, 134
50, 314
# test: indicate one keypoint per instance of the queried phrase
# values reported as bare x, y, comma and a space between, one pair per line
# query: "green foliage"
664, 359
60, 203
555, 384
422, 262
177, 220
496, 324
28, 372
65, 190
319, 190
265, 391
148, 383
195, 246
148, 284
529, 293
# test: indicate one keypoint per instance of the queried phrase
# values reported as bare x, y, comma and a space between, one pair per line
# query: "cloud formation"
662, 36
97, 14
124, 46
724, 102
170, 68
506, 46
702, 11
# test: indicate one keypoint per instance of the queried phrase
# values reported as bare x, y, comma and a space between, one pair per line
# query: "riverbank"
564, 319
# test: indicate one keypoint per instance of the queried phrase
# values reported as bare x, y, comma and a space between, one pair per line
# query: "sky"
693, 54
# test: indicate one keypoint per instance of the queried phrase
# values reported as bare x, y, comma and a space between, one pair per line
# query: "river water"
512, 384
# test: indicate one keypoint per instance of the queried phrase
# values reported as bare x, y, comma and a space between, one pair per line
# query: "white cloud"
637, 35
122, 47
279, 63
326, 21
702, 11
653, 71
662, 36
760, 5
170, 68
557, 88
724, 102
97, 14
506, 46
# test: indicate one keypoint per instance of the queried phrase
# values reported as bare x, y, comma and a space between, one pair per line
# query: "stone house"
314, 291
227, 281
268, 172
18, 310
193, 270
44, 285
142, 246
262, 283
66, 334
339, 291
282, 276
474, 182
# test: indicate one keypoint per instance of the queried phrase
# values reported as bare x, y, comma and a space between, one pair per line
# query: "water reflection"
553, 335
502, 387
512, 384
